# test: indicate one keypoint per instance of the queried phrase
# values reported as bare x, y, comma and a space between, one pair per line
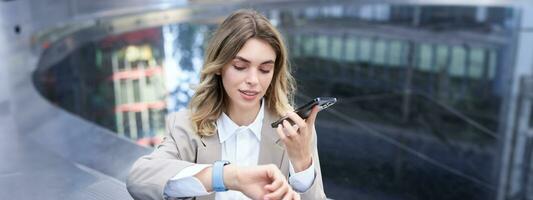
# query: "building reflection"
421, 91
139, 89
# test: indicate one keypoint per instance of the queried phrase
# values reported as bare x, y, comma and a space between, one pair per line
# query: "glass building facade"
422, 91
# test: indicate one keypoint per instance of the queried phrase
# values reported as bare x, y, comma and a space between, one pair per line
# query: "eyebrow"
245, 60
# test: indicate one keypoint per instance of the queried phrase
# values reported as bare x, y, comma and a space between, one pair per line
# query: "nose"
252, 77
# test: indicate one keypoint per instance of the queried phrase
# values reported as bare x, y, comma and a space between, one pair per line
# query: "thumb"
271, 174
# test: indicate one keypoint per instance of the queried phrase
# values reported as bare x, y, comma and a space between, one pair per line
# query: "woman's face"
247, 77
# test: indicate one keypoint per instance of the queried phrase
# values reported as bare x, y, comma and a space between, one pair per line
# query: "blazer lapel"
208, 154
271, 149
210, 151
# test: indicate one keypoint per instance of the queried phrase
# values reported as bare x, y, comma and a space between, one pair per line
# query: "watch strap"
218, 176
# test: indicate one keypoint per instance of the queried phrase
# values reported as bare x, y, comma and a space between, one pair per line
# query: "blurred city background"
434, 97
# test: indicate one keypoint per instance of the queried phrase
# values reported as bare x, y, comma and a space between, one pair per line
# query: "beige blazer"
181, 148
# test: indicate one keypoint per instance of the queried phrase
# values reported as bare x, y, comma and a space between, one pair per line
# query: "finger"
296, 196
289, 129
270, 173
289, 195
277, 183
274, 173
295, 127
297, 120
281, 186
312, 117
280, 132
279, 192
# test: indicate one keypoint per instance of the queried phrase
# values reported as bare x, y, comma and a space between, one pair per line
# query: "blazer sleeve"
150, 174
316, 191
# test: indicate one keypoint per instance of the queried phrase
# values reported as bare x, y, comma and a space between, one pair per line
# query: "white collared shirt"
239, 145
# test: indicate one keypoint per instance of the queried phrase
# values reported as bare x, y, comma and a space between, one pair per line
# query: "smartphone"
305, 110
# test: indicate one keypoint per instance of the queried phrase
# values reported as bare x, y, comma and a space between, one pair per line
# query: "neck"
243, 117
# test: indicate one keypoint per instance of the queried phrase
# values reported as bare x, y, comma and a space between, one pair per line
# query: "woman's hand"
298, 139
256, 182
261, 182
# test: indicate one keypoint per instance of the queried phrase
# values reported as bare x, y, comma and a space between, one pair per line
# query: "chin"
250, 104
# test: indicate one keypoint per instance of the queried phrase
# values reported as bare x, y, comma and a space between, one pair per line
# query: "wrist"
302, 163
231, 180
205, 177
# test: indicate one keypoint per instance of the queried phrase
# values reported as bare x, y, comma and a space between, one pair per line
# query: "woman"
222, 147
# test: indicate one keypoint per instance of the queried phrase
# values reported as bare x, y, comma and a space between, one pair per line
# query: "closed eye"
239, 68
265, 68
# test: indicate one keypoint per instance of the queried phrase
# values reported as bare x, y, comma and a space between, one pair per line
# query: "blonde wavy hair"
209, 99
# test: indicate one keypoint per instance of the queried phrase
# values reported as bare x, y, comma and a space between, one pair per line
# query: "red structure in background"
137, 107
140, 106
151, 36
136, 73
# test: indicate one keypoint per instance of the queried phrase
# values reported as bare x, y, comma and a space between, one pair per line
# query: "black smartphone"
305, 110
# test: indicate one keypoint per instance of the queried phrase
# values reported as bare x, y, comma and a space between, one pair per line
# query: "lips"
249, 92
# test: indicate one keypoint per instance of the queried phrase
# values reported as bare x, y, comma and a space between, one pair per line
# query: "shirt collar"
226, 127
